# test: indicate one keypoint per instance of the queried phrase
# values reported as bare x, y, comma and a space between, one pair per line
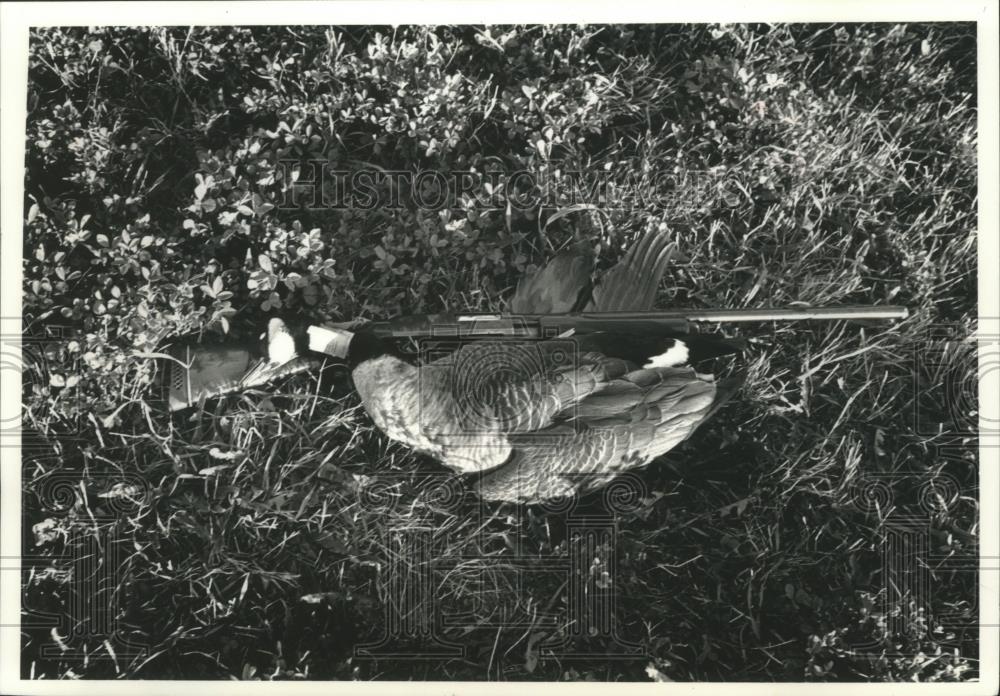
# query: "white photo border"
17, 18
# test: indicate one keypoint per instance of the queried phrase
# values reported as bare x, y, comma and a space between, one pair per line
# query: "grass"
271, 534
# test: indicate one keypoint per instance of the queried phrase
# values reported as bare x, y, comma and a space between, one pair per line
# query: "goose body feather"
553, 424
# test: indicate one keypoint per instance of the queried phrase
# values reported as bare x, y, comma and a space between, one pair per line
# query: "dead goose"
546, 418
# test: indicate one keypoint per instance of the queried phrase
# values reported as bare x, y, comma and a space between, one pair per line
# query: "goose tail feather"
631, 285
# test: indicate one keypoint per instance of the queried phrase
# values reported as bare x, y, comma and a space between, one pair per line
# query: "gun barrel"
725, 316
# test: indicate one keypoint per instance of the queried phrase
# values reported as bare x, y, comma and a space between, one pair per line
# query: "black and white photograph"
362, 343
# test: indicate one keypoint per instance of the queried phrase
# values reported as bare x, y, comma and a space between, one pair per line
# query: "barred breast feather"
415, 406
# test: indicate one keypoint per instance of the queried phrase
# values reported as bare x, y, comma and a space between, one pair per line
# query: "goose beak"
334, 342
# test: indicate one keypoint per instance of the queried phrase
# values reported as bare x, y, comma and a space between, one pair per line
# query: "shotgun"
200, 372
548, 325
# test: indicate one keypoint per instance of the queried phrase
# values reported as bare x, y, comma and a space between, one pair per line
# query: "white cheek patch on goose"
281, 348
676, 355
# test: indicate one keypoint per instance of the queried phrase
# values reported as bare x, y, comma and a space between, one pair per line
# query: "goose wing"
523, 386
562, 285
631, 284
632, 420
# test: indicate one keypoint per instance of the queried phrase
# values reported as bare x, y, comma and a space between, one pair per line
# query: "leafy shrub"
911, 652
